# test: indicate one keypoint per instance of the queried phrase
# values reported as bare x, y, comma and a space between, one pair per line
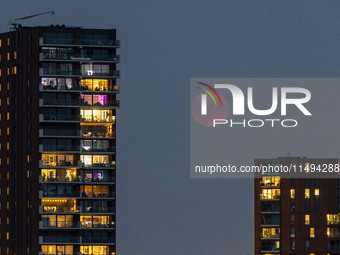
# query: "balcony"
59, 209
97, 165
108, 103
59, 133
92, 195
61, 164
46, 56
91, 225
61, 102
59, 148
88, 149
98, 119
99, 210
59, 179
79, 42
58, 117
270, 236
61, 194
58, 225
78, 73
59, 240
79, 88
97, 180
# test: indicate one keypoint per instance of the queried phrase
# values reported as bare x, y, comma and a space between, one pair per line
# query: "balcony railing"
96, 134
61, 163
76, 42
104, 179
108, 103
60, 179
58, 117
77, 72
62, 102
98, 194
55, 148
74, 57
62, 194
268, 197
59, 132
97, 240
91, 149
59, 209
77, 87
97, 225
269, 248
270, 236
58, 239
105, 209
58, 224
82, 164
98, 119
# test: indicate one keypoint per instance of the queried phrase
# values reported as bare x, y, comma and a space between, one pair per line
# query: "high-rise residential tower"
57, 140
298, 216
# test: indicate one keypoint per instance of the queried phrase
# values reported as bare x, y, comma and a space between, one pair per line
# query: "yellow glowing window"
270, 194
15, 70
0, 72
0, 43
7, 146
307, 193
328, 233
7, 235
7, 131
7, 100
312, 232
15, 55
8, 116
0, 102
333, 219
292, 193
317, 192
0, 57
307, 219
7, 205
8, 56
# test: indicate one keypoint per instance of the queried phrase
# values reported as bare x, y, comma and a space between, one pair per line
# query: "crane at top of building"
15, 24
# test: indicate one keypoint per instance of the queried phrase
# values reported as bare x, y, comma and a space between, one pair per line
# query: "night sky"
160, 210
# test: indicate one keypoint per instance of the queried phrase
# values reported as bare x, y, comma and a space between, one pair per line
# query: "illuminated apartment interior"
63, 169
296, 216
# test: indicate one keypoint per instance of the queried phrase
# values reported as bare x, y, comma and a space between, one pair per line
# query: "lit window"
317, 192
15, 70
7, 100
270, 194
7, 146
8, 56
8, 116
292, 193
7, 236
15, 55
328, 233
307, 193
307, 219
312, 233
0, 43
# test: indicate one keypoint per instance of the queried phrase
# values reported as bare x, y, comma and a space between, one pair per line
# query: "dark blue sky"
160, 209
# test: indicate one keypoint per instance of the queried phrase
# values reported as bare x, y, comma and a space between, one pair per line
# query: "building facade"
297, 216
57, 140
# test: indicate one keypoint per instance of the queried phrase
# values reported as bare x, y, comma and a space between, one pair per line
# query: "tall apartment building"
57, 140
297, 216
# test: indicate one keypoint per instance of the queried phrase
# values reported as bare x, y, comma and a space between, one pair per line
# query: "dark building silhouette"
57, 136
297, 216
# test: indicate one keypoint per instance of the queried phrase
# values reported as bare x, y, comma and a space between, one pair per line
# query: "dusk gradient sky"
160, 210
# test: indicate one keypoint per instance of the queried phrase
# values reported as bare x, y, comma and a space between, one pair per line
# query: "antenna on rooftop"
16, 25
